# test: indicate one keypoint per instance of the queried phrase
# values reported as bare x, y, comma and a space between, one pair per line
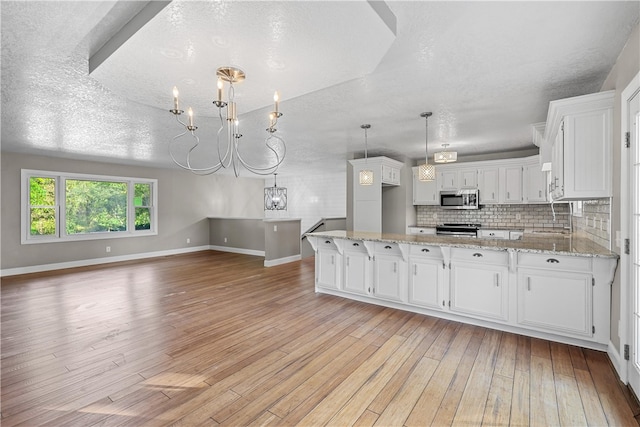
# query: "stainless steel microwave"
462, 199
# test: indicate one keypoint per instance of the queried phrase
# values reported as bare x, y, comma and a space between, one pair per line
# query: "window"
63, 207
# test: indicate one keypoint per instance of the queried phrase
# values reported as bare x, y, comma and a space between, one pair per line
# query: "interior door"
634, 231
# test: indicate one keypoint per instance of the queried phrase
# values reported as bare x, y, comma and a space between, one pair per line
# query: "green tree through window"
95, 206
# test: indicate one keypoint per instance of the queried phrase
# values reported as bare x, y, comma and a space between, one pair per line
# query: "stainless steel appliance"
462, 230
462, 199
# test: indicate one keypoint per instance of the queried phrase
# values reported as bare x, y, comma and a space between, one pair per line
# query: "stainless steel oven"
460, 230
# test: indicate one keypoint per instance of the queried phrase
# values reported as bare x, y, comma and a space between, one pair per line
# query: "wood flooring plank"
561, 358
506, 362
367, 419
497, 412
523, 353
593, 411
520, 399
570, 410
543, 410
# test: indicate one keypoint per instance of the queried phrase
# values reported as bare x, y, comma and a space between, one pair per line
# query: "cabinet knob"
425, 250
356, 244
387, 247
327, 241
553, 261
478, 255
421, 231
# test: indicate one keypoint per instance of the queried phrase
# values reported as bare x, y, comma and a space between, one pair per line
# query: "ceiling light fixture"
445, 156
366, 175
426, 172
231, 157
275, 198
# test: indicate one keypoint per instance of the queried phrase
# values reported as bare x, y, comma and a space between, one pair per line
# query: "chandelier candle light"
228, 154
445, 156
426, 172
366, 175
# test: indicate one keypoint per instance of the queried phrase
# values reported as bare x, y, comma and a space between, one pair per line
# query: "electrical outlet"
188, 240
275, 228
108, 249
225, 240
518, 216
435, 216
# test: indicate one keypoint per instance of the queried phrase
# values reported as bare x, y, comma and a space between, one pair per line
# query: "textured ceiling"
487, 70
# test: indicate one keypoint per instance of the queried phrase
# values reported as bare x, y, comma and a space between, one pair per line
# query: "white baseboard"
96, 261
618, 362
272, 262
236, 250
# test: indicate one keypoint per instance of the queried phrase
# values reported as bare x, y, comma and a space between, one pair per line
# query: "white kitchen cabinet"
389, 272
357, 268
426, 277
479, 283
489, 185
425, 193
448, 180
468, 178
425, 231
512, 192
328, 264
535, 184
580, 131
558, 301
367, 199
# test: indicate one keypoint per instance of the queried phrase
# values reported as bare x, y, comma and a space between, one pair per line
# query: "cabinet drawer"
425, 251
422, 230
554, 262
480, 255
493, 234
326, 243
387, 249
354, 246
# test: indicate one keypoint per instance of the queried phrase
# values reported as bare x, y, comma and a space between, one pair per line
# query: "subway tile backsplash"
594, 222
498, 216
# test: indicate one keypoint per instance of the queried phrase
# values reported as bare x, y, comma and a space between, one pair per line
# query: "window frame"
61, 232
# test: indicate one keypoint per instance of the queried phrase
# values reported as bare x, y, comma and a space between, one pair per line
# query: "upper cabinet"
425, 193
457, 179
580, 133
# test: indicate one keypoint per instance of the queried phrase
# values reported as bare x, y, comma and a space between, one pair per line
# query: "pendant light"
445, 156
366, 175
426, 172
275, 198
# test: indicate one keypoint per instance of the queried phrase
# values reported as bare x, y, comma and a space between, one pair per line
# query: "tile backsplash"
499, 216
594, 222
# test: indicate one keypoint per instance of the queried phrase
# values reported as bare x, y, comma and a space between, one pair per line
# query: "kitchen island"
552, 286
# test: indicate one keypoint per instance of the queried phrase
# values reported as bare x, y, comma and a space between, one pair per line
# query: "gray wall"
626, 67
184, 203
283, 243
240, 233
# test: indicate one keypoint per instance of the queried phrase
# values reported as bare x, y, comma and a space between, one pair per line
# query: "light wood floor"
213, 338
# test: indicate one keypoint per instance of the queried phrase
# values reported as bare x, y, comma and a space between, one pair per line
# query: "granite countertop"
552, 243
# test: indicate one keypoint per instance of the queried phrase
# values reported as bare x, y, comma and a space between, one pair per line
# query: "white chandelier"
445, 156
426, 172
275, 198
228, 154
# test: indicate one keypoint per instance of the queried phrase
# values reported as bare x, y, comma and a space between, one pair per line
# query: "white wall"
312, 197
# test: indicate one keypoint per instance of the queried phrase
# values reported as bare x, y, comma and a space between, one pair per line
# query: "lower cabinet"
328, 268
557, 301
480, 290
426, 282
389, 273
357, 269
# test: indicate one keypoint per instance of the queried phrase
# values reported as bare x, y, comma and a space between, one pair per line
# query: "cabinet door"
479, 290
468, 178
327, 269
426, 283
489, 185
357, 272
555, 300
557, 165
424, 193
513, 184
535, 184
448, 180
388, 277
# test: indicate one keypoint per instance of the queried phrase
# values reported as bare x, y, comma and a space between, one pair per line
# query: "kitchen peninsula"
556, 286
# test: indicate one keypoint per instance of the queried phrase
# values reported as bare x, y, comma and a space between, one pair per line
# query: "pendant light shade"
366, 175
426, 172
275, 198
445, 156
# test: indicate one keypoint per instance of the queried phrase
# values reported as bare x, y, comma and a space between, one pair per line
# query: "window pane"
142, 196
42, 191
95, 206
43, 221
143, 219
